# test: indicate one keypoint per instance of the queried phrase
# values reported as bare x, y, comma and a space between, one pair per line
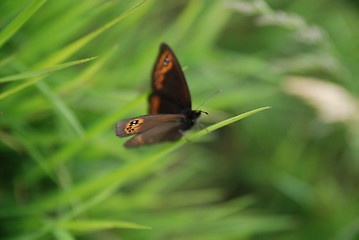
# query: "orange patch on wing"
165, 63
154, 104
133, 125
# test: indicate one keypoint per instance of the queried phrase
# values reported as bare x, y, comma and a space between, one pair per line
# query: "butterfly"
170, 112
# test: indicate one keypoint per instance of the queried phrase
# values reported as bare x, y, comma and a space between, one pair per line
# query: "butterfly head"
190, 119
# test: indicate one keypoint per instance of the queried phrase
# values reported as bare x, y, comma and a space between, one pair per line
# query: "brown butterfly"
170, 106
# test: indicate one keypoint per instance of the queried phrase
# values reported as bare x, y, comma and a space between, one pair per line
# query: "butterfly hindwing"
167, 131
141, 124
170, 92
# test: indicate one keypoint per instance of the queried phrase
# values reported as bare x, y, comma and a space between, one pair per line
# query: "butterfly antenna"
208, 99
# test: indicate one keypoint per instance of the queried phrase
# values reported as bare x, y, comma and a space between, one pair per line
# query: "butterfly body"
170, 106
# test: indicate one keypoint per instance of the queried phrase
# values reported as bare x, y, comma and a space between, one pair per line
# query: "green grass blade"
18, 88
224, 123
20, 20
87, 73
60, 233
35, 154
44, 71
75, 46
41, 74
165, 150
62, 108
94, 225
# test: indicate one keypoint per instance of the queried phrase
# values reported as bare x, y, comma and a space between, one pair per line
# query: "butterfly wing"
170, 91
141, 124
168, 131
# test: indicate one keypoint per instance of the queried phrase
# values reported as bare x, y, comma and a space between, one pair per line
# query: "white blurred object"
333, 103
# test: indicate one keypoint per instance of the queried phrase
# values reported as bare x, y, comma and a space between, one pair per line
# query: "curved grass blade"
225, 122
44, 71
95, 225
62, 108
75, 46
25, 14
87, 73
39, 75
173, 146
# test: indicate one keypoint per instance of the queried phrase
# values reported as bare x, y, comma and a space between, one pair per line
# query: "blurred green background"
290, 172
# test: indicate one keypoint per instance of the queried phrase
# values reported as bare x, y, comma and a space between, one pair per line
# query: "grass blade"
20, 20
75, 46
44, 71
40, 75
95, 225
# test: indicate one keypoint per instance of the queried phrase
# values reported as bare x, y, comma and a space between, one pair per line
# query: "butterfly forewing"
170, 91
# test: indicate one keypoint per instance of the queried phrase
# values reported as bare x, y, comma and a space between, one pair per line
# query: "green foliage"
70, 69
